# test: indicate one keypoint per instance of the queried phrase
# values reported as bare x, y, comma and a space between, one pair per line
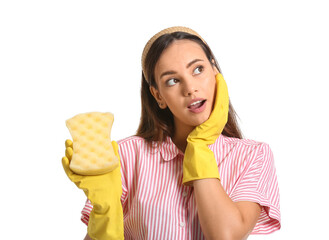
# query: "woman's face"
186, 83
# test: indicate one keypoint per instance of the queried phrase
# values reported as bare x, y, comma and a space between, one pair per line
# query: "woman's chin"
201, 120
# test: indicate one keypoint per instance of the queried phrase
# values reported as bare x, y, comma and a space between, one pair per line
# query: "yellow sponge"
93, 153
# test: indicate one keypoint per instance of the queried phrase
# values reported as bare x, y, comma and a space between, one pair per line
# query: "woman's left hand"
199, 161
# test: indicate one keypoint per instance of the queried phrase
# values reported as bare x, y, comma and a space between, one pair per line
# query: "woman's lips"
197, 105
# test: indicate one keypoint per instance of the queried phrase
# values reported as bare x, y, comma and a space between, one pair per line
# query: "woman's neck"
180, 135
180, 143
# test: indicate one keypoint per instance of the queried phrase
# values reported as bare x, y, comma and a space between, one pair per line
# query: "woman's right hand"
68, 150
104, 192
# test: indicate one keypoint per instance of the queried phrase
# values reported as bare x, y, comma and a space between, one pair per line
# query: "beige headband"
159, 34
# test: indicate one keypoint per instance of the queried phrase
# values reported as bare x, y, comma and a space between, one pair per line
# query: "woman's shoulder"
247, 149
241, 141
244, 146
135, 144
131, 140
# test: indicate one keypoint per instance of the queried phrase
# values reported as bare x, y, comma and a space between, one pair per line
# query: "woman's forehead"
180, 51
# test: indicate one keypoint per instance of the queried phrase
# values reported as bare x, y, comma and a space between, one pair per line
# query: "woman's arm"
219, 216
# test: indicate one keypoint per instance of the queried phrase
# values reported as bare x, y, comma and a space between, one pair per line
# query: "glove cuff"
108, 224
199, 163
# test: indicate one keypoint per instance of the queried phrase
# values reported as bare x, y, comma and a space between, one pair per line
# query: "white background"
61, 58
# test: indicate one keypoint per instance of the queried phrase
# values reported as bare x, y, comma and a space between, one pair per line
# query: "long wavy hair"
156, 123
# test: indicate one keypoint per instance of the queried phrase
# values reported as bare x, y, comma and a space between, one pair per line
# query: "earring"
161, 105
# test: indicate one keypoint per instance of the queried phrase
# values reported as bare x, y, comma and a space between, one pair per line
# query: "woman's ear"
157, 96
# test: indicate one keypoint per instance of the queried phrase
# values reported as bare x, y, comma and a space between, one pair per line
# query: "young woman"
187, 174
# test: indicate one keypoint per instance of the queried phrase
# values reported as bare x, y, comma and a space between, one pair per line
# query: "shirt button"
182, 224
184, 193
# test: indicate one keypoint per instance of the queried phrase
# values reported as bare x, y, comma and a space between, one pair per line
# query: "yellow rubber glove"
104, 191
199, 161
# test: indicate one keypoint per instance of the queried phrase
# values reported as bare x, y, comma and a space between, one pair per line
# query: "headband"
159, 34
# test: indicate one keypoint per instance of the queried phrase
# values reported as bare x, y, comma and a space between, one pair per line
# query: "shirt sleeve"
259, 184
86, 212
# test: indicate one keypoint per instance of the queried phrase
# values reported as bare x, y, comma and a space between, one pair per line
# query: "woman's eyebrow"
187, 66
192, 62
167, 73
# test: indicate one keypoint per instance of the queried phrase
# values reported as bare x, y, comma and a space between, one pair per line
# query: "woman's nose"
189, 87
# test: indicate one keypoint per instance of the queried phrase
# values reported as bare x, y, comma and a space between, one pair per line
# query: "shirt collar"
168, 149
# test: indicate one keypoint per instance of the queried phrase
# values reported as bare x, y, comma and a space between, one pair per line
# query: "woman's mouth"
197, 105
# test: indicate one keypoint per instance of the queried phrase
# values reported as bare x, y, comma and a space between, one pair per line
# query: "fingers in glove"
66, 166
69, 153
68, 143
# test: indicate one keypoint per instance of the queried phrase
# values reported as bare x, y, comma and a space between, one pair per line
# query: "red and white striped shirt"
157, 206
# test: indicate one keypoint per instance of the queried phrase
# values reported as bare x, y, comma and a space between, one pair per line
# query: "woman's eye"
171, 82
198, 70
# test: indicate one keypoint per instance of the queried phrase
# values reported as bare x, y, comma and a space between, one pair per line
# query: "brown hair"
156, 123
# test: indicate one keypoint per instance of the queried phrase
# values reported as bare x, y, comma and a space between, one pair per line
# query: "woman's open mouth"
197, 105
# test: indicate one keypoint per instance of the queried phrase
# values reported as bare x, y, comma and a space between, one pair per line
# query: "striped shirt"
157, 206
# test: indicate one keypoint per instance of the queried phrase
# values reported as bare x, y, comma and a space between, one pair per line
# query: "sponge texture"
93, 153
